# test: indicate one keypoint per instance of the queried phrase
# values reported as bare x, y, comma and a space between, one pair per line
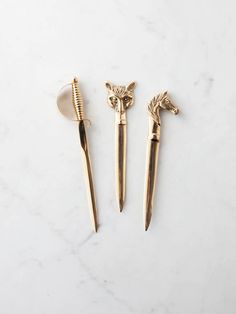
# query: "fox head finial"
120, 97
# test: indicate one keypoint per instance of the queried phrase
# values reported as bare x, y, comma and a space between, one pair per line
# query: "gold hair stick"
160, 102
70, 104
120, 98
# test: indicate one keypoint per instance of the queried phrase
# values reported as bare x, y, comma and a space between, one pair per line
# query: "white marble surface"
51, 262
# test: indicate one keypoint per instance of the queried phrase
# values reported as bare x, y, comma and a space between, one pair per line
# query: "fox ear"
108, 85
131, 86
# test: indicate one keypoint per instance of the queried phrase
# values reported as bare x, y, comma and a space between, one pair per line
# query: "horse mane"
154, 106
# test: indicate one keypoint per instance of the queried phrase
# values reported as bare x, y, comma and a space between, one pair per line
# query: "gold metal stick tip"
95, 224
121, 204
75, 80
147, 221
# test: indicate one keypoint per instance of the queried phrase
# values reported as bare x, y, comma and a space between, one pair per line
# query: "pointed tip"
121, 205
146, 228
147, 221
95, 227
94, 221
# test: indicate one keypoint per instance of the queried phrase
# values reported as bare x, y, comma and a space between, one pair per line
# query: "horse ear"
131, 86
108, 85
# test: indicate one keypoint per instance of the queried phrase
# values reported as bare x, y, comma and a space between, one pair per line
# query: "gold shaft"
88, 175
151, 170
120, 163
78, 105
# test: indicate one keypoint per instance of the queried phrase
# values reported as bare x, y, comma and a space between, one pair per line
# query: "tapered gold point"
147, 221
121, 205
95, 226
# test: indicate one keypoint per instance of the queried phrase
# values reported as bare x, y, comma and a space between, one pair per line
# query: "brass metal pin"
159, 102
71, 98
120, 98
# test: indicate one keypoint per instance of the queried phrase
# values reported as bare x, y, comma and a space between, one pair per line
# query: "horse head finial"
161, 101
